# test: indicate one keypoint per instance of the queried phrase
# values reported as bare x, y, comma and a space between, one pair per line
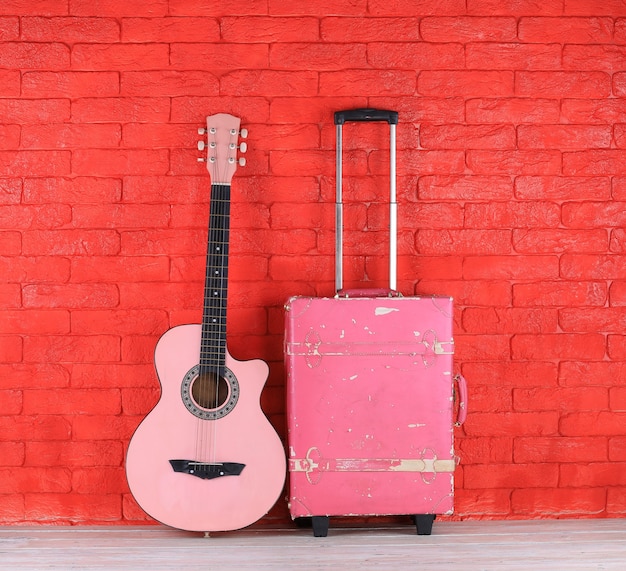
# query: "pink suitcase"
370, 392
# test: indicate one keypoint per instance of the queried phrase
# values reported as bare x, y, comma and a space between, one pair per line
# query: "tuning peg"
243, 147
242, 162
244, 133
201, 131
201, 145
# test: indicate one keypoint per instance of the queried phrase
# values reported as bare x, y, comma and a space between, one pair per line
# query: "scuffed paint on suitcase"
370, 405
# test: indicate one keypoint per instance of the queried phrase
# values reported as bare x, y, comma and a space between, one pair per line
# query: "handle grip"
362, 115
462, 399
371, 292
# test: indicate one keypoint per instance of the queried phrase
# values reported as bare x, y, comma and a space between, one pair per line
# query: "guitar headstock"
222, 135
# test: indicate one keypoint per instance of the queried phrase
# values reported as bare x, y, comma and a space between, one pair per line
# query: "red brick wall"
512, 183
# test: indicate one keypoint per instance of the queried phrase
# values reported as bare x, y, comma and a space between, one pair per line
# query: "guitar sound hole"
210, 391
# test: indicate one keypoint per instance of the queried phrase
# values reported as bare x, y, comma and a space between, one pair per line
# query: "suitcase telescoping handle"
366, 115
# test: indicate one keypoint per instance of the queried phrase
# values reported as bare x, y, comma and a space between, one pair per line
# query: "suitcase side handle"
461, 397
371, 292
362, 115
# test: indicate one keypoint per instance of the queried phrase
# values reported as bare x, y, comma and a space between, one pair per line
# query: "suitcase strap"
314, 465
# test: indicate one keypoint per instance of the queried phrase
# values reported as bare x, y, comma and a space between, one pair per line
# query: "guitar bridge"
207, 470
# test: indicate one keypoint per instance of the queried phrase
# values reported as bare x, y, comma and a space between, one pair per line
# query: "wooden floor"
559, 545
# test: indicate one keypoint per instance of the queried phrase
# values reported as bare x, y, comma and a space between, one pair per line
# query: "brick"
511, 374
603, 214
170, 30
47, 507
521, 476
513, 110
10, 86
511, 267
596, 474
34, 375
561, 84
122, 57
516, 56
617, 449
361, 82
11, 402
11, 191
482, 347
139, 401
168, 83
186, 109
287, 241
72, 348
110, 162
442, 187
431, 109
415, 55
560, 449
559, 294
509, 320
425, 162
558, 240
128, 322
365, 30
616, 500
269, 83
467, 137
492, 502
486, 449
319, 56
617, 397
9, 29
487, 162
475, 242
104, 375
591, 267
42, 427
564, 136
34, 55
25, 7
11, 453
617, 294
467, 292
617, 240
467, 29
71, 242
121, 109
512, 215
466, 83
597, 58
33, 163
69, 453
72, 401
78, 190
103, 480
10, 295
593, 111
227, 56
589, 8
113, 269
26, 217
121, 216
562, 346
517, 8
619, 84
616, 347
564, 502
282, 137
115, 9
579, 373
70, 136
10, 243
42, 480
426, 8
70, 29
151, 242
561, 188
566, 30
422, 215
619, 33
601, 162
593, 319
563, 399
10, 136
155, 295
43, 322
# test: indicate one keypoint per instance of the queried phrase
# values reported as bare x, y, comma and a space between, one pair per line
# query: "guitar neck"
213, 342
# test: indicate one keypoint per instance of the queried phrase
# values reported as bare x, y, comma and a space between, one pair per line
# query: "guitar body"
172, 432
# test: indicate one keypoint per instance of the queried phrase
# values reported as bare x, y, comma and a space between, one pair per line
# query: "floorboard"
540, 545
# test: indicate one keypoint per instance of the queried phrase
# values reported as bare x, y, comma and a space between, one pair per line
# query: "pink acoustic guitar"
206, 458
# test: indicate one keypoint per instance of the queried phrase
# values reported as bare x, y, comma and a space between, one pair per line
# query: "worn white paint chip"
384, 310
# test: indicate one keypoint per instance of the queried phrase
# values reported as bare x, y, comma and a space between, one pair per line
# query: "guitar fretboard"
213, 342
